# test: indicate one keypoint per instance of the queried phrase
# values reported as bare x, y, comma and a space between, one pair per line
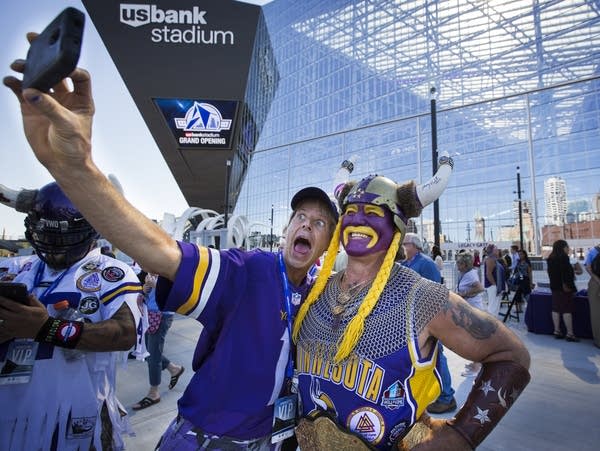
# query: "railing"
540, 275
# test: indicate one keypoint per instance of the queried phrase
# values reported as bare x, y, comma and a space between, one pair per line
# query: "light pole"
226, 217
271, 237
434, 164
468, 229
520, 207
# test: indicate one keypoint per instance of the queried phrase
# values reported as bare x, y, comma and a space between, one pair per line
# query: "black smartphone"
16, 291
54, 54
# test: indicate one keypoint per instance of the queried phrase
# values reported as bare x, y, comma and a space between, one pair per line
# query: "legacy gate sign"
186, 64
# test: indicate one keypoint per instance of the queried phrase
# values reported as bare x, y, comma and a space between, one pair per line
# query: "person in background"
562, 285
11, 266
470, 289
524, 272
477, 262
159, 324
594, 292
106, 250
82, 309
417, 260
507, 262
514, 257
245, 300
436, 255
476, 258
493, 280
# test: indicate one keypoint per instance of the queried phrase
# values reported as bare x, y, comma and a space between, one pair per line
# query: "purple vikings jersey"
242, 352
386, 384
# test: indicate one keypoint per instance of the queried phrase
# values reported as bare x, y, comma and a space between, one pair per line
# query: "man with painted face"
367, 337
58, 371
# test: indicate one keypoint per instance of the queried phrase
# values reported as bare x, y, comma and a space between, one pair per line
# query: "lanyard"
53, 285
289, 370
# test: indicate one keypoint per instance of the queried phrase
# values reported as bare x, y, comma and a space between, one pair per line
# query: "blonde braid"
355, 327
321, 281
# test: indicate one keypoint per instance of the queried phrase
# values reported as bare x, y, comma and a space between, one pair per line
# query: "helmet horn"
433, 189
22, 200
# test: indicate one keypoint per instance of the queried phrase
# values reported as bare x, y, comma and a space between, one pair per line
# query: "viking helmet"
404, 201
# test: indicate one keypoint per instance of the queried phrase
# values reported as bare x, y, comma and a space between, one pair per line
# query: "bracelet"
495, 390
60, 332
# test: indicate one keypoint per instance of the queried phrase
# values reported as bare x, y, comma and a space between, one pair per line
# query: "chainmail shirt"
386, 383
406, 293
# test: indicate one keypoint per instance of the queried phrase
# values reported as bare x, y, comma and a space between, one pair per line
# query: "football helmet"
57, 230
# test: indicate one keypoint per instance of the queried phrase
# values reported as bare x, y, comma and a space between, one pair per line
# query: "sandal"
572, 338
559, 335
145, 402
175, 379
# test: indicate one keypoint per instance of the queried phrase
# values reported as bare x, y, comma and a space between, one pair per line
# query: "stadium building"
514, 83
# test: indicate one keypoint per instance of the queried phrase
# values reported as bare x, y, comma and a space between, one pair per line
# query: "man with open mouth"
239, 396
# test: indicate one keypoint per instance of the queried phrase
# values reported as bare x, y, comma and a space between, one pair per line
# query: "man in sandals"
245, 300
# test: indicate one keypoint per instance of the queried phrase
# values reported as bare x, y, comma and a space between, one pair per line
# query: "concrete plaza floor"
559, 410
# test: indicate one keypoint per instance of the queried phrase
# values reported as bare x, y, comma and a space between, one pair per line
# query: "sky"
122, 144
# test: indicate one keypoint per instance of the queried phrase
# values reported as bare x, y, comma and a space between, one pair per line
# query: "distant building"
596, 204
586, 230
555, 198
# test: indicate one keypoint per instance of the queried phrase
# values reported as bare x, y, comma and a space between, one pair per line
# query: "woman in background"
436, 255
471, 289
525, 274
562, 284
160, 323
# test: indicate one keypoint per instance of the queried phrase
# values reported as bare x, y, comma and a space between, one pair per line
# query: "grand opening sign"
199, 123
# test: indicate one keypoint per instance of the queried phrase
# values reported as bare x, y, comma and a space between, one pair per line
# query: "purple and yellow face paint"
366, 229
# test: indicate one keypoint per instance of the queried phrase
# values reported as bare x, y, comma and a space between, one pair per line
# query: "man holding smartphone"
57, 344
245, 300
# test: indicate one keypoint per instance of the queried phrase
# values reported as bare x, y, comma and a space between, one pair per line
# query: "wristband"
60, 332
494, 391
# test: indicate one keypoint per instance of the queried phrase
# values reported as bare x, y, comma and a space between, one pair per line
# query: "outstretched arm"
477, 336
58, 126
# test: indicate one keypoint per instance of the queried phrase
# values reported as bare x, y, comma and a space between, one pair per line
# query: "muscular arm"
58, 126
114, 334
476, 336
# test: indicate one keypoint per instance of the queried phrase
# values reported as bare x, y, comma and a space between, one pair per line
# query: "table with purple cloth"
538, 316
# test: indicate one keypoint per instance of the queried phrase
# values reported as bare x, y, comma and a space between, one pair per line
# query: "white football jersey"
49, 395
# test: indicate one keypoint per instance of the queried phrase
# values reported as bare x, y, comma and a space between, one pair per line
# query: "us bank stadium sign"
176, 26
199, 123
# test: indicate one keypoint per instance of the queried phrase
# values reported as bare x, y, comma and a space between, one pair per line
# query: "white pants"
493, 300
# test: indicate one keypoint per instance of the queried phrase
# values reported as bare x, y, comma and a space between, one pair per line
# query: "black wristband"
60, 332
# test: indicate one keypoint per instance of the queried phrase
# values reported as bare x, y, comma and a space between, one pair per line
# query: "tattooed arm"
477, 336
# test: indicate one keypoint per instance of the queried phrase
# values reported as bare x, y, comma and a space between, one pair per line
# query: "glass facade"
517, 85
